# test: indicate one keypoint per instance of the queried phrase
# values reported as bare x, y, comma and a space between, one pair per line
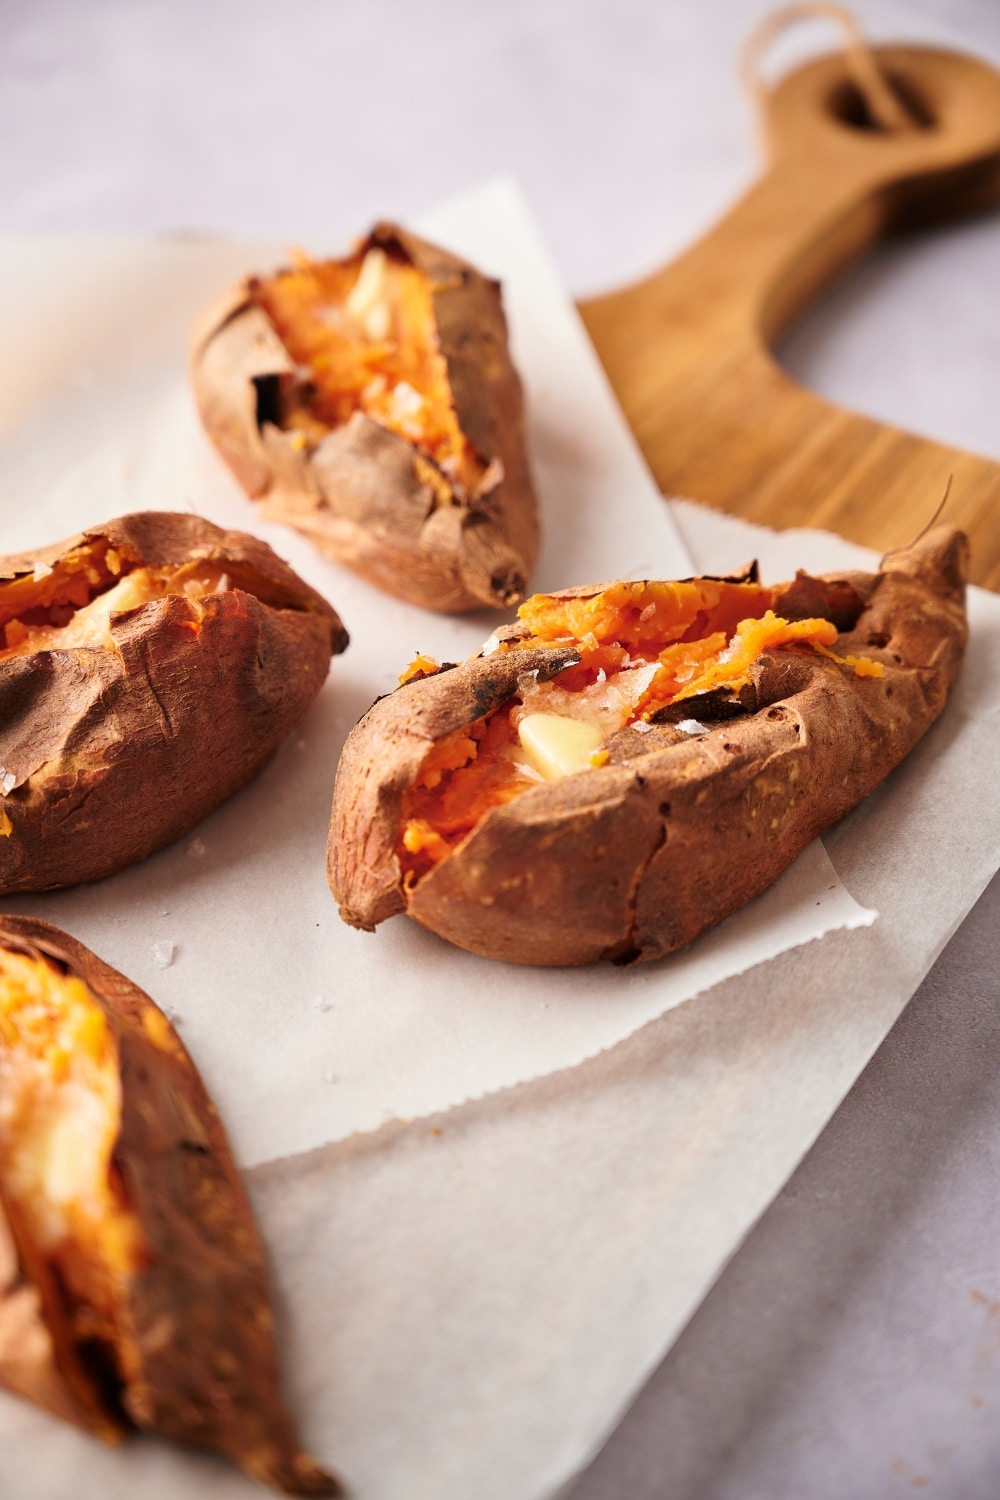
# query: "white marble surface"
852, 1346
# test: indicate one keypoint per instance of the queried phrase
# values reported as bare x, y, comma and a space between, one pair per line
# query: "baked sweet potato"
133, 1287
372, 404
631, 762
148, 669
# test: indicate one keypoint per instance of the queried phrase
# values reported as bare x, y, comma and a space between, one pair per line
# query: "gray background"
852, 1348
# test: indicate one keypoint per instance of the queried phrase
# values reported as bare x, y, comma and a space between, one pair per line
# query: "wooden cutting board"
688, 350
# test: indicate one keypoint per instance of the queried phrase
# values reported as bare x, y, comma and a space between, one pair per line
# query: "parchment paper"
470, 1301
304, 1030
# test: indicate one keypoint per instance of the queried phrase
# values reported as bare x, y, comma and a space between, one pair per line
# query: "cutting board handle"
688, 349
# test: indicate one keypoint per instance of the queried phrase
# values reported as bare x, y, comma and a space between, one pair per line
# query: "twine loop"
885, 108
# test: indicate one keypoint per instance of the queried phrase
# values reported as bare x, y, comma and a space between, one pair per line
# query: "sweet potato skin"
31, 1324
195, 1346
633, 860
362, 495
115, 753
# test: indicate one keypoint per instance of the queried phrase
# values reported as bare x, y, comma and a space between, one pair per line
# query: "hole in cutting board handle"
848, 104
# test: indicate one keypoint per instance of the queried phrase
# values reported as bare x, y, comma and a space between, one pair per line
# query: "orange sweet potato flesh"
120, 728
397, 447
133, 1283
796, 710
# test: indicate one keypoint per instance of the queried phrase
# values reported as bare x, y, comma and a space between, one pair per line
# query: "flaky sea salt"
406, 401
330, 317
691, 726
375, 388
7, 780
163, 954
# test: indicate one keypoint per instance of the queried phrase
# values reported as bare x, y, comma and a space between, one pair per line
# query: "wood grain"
688, 350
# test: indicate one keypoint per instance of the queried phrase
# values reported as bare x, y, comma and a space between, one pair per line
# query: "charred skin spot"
268, 402
508, 587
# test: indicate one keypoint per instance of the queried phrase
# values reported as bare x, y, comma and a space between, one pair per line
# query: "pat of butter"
66, 1170
556, 746
367, 303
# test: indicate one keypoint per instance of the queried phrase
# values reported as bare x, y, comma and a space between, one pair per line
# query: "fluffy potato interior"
71, 604
363, 334
642, 646
60, 1112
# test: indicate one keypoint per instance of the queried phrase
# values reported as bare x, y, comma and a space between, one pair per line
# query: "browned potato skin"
32, 1323
115, 755
635, 859
360, 495
196, 1333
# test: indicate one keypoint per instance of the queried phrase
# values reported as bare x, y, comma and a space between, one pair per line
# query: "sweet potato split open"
642, 648
148, 668
629, 764
372, 403
362, 334
133, 1291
